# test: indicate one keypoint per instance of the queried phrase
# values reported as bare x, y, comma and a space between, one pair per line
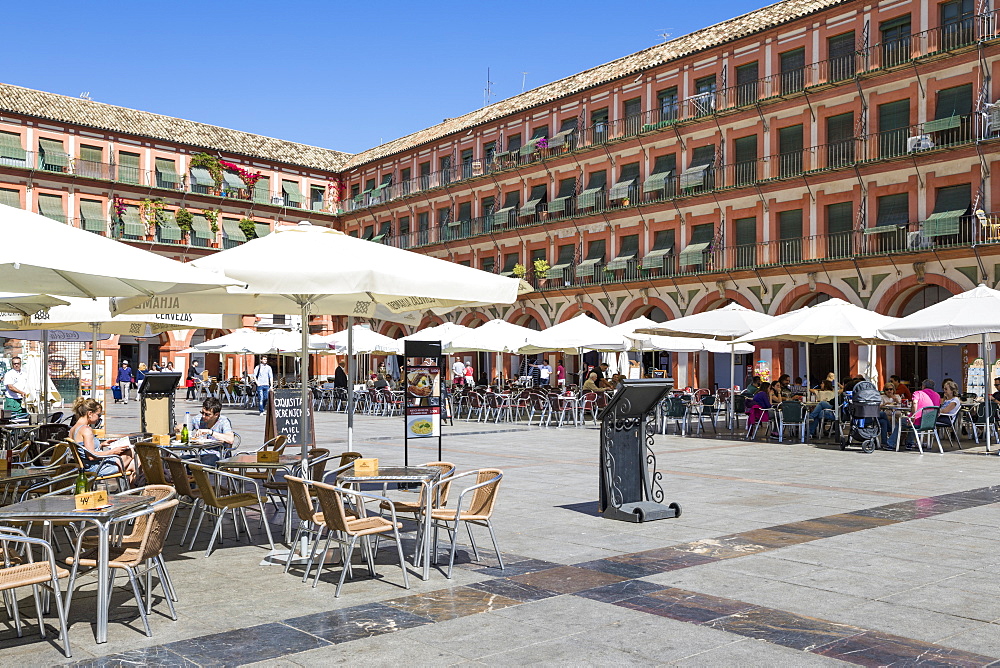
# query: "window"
368, 233
746, 84
793, 72
957, 19
841, 51
895, 41
51, 206
625, 187
628, 249
593, 194
488, 264
51, 156
262, 190
291, 193
567, 253
893, 210
595, 256
232, 235
560, 206
540, 131
11, 152
489, 150
91, 162
745, 248
666, 103
893, 127
950, 206
700, 173
509, 261
952, 123
92, 216
444, 165
632, 115
316, 194
704, 99
745, 150
790, 236
566, 136
486, 205
839, 229
660, 254
840, 140
369, 185
11, 197
425, 175
660, 182
466, 158
128, 167
423, 227
355, 190
536, 197
695, 252
166, 174
465, 211
599, 125
514, 142
443, 216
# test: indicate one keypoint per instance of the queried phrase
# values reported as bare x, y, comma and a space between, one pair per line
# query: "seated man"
824, 407
215, 426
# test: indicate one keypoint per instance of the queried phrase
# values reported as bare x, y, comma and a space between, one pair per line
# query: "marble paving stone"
154, 657
519, 568
771, 537
451, 603
903, 512
511, 589
568, 579
618, 591
394, 649
360, 621
783, 628
685, 606
623, 569
568, 651
256, 643
749, 652
882, 649
717, 548
815, 529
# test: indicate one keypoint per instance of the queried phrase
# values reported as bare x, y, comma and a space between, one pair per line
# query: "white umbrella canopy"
446, 332
16, 306
575, 335
41, 255
495, 336
834, 320
366, 341
253, 342
729, 322
690, 344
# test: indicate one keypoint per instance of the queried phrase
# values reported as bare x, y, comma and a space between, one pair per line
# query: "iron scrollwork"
656, 486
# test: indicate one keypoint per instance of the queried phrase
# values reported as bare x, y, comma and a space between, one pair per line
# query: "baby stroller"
861, 413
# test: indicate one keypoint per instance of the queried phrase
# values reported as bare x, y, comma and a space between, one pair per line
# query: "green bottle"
185, 434
81, 483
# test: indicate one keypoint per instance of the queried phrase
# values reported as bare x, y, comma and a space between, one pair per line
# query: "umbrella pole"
808, 377
836, 388
732, 384
988, 398
351, 370
94, 326
304, 379
44, 404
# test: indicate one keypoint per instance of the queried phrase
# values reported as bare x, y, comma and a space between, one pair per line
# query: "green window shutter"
620, 190
790, 225
232, 231
694, 177
558, 205
588, 198
893, 210
793, 60
202, 177
953, 198
93, 216
262, 191
943, 223
91, 154
947, 123
128, 160
655, 182
790, 139
128, 167
55, 154
51, 206
745, 149
167, 228
745, 231
894, 115
529, 207
598, 180
263, 229
567, 187
839, 128
694, 253
233, 181
10, 146
839, 218
166, 171
955, 101
702, 233
10, 197
200, 227
132, 225
841, 45
703, 155
291, 190
663, 246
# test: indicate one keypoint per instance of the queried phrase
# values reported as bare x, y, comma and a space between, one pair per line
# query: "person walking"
124, 380
458, 372
15, 385
263, 376
192, 380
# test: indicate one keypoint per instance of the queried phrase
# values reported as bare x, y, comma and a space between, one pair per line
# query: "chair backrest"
179, 476
56, 417
332, 504
64, 456
739, 403
723, 394
701, 393
157, 526
348, 457
160, 493
602, 399
677, 408
475, 400
928, 418
52, 430
484, 499
316, 468
277, 444
447, 470
151, 460
298, 489
791, 411
205, 486
708, 400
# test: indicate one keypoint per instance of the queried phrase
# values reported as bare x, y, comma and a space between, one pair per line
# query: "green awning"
620, 189
233, 180
619, 262
588, 198
654, 259
10, 146
501, 217
167, 227
560, 138
939, 124
587, 267
54, 152
166, 171
529, 146
10, 197
943, 224
694, 177
655, 182
202, 177
262, 191
649, 127
694, 253
93, 217
91, 154
231, 228
132, 225
200, 227
291, 189
882, 229
558, 205
263, 229
557, 271
530, 207
51, 206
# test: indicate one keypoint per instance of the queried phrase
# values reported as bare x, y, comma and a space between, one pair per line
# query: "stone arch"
474, 319
803, 294
575, 308
712, 300
527, 317
896, 296
430, 320
393, 330
642, 307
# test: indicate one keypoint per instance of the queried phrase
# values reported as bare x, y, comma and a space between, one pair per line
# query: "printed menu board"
422, 392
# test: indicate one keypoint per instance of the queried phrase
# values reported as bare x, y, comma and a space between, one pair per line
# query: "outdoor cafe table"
13, 434
425, 476
249, 461
11, 478
63, 508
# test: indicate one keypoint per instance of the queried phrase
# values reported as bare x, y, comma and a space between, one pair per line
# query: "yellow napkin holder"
161, 439
268, 457
100, 433
366, 467
4, 464
91, 500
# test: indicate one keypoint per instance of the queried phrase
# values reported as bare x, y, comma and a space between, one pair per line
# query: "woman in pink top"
923, 398
469, 380
560, 373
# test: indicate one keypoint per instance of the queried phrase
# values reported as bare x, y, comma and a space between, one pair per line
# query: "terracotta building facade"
808, 150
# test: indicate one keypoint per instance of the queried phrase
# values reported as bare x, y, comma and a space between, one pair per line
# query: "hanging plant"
212, 216
248, 177
119, 206
210, 163
151, 211
519, 270
184, 220
541, 268
248, 228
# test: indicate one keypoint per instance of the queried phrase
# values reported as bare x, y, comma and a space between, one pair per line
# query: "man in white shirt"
458, 372
263, 376
15, 384
544, 373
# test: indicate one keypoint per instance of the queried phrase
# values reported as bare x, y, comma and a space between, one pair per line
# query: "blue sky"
342, 75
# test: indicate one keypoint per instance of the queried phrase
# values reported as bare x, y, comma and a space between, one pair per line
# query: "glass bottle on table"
185, 433
81, 483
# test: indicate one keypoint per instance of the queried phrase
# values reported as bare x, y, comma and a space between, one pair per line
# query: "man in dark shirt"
340, 376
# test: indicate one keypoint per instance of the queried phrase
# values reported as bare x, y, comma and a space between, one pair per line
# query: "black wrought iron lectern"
630, 486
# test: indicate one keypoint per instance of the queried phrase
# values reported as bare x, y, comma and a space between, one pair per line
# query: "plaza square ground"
785, 554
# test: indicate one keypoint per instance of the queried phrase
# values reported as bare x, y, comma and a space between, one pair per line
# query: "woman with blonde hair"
102, 461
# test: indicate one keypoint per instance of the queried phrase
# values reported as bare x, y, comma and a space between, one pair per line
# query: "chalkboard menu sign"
422, 398
284, 416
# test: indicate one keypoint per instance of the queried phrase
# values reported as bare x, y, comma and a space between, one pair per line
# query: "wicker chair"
34, 574
220, 505
416, 508
151, 460
276, 444
146, 552
480, 507
188, 495
335, 516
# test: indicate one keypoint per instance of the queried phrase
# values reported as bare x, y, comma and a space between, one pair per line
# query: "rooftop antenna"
488, 91
524, 76
663, 34
85, 95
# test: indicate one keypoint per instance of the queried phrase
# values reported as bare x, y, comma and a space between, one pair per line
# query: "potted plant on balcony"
212, 216
210, 163
185, 221
151, 211
541, 269
248, 228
